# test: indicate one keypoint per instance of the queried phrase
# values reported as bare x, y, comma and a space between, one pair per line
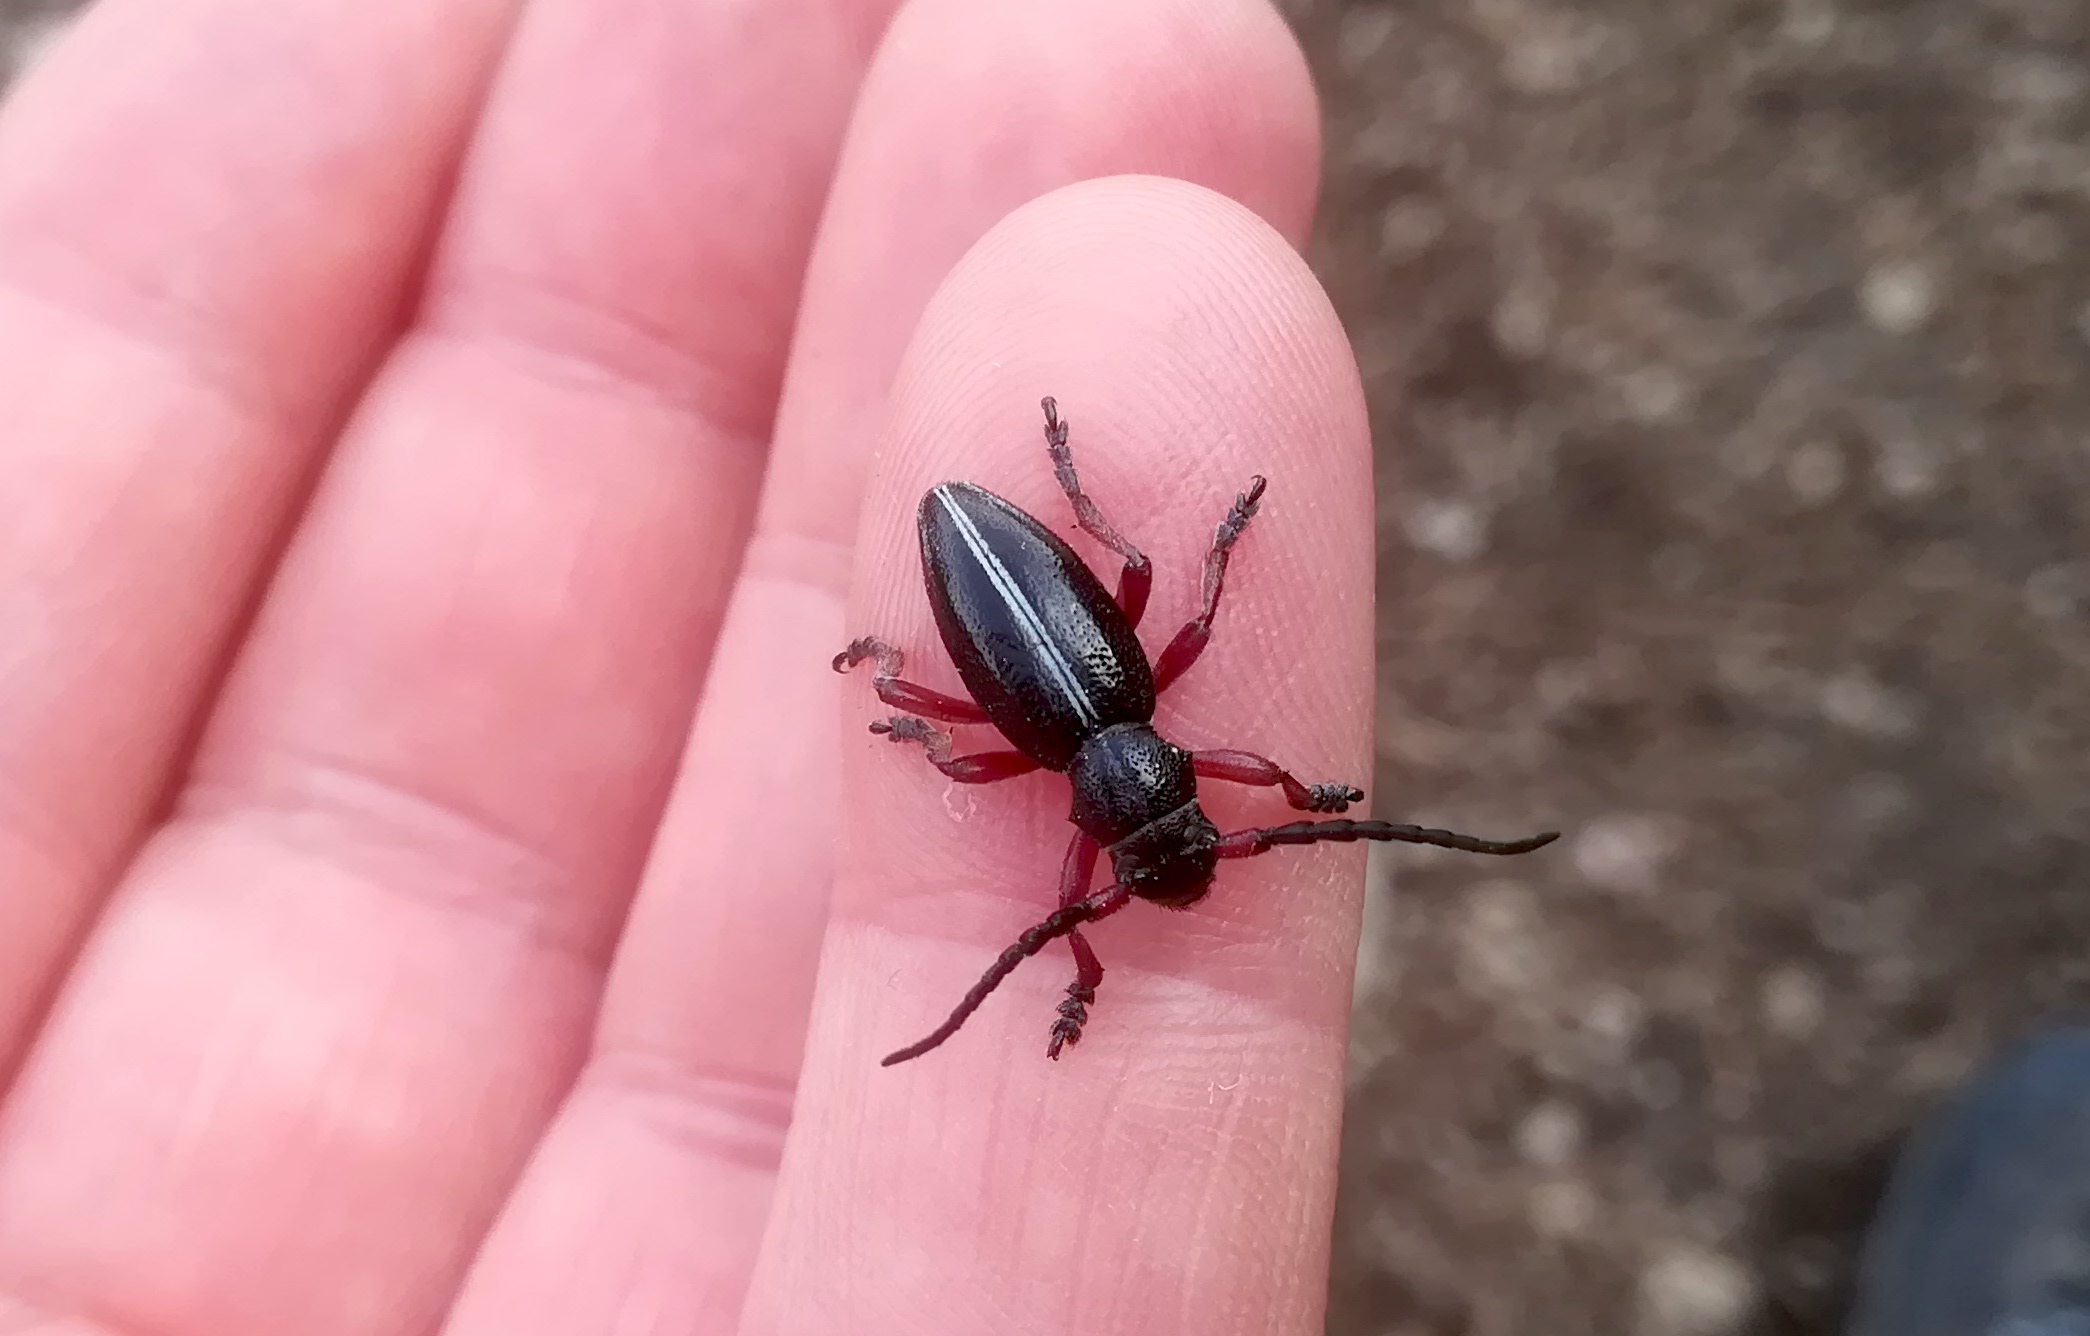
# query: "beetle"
1052, 660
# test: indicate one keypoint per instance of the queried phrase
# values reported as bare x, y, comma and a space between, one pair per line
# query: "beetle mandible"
1051, 659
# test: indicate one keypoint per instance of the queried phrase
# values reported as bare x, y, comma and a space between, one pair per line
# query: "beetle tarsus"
907, 728
1073, 1013
1243, 510
1332, 797
870, 647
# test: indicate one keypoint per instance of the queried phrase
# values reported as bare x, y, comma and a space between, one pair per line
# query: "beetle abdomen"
1038, 640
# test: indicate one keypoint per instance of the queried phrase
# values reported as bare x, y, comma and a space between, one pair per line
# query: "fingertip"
1232, 104
1147, 303
971, 110
1197, 359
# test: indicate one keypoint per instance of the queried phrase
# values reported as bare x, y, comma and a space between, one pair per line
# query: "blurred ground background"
1728, 362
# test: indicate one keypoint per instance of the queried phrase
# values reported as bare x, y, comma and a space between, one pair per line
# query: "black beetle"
1052, 661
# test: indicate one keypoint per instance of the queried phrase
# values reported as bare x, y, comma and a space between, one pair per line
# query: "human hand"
386, 394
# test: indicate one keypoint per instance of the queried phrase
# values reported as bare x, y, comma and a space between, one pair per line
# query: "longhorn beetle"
1050, 659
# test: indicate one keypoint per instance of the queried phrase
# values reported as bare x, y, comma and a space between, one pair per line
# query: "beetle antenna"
1248, 843
1103, 903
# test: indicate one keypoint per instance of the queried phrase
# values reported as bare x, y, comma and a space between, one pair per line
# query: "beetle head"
1169, 861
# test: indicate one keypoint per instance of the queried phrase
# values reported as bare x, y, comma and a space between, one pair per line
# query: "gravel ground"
1728, 365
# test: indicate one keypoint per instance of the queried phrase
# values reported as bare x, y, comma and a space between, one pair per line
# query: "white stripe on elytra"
1048, 654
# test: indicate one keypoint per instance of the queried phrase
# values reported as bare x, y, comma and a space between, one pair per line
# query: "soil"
1728, 368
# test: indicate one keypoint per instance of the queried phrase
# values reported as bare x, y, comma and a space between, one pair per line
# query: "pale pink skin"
424, 800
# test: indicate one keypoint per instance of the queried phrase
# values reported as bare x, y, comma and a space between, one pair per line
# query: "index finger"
1175, 1172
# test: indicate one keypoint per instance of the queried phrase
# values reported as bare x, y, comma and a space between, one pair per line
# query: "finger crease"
152, 318
411, 844
734, 1117
807, 561
565, 340
21, 1317
35, 832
